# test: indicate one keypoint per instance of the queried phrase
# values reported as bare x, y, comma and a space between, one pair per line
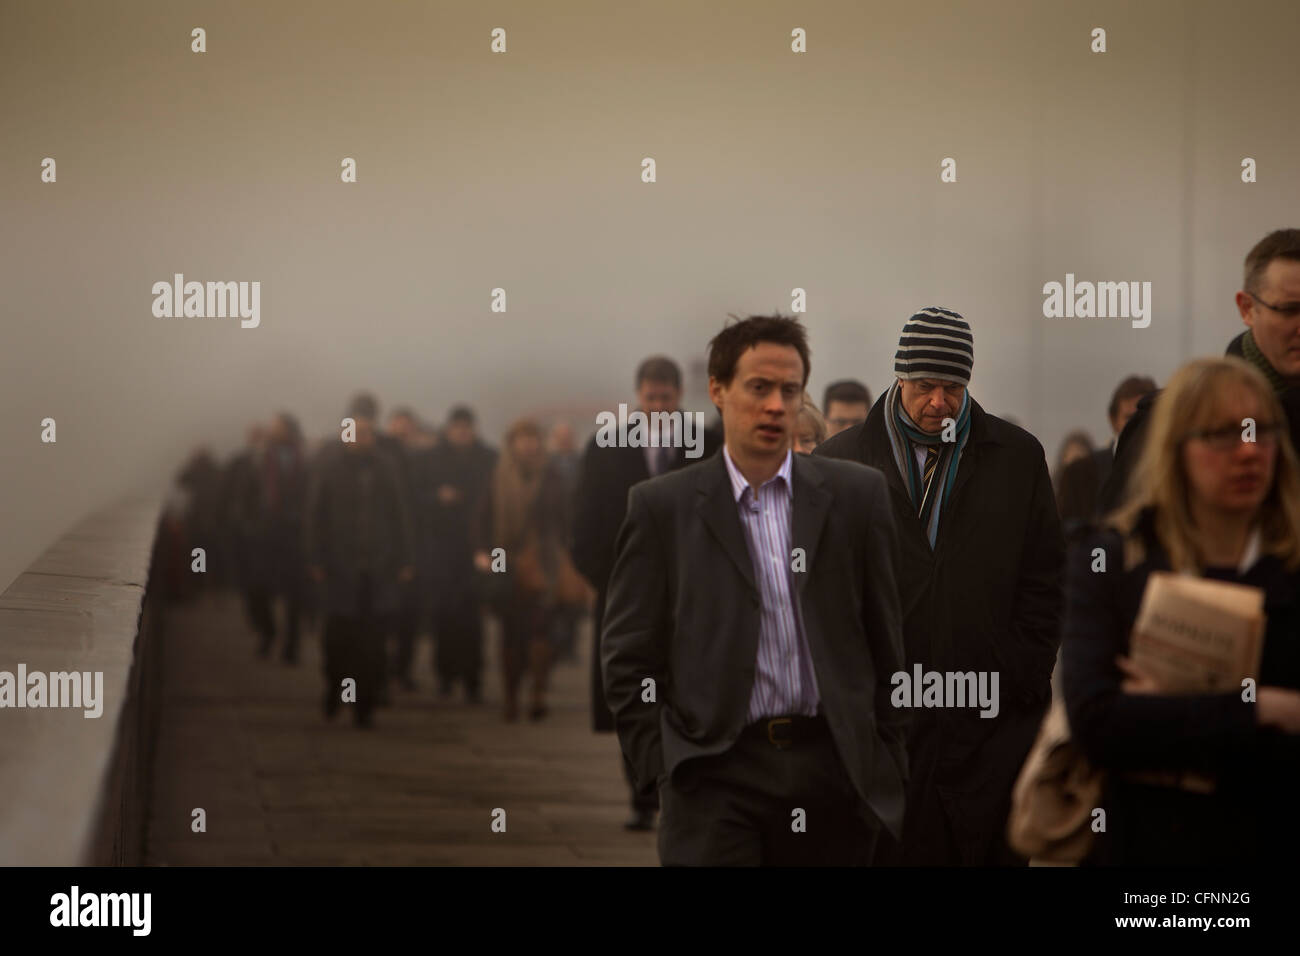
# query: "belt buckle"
783, 744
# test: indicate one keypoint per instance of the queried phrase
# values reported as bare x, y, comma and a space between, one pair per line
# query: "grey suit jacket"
683, 609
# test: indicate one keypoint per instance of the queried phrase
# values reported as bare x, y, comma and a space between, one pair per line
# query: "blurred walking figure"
267, 501
171, 548
460, 470
1075, 446
360, 549
415, 602
241, 474
1206, 500
201, 479
845, 403
365, 405
1078, 483
600, 504
232, 475
190, 519
520, 515
566, 462
426, 436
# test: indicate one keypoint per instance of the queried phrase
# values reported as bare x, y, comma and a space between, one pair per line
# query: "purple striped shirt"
784, 682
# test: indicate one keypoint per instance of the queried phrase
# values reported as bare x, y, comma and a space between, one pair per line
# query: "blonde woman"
1207, 500
810, 427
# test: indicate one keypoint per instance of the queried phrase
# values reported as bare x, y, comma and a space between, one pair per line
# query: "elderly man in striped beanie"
980, 578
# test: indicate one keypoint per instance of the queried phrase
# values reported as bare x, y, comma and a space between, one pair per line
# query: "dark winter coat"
450, 525
1251, 815
358, 521
987, 598
268, 496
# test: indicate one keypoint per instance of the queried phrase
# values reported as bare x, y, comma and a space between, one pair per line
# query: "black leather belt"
786, 732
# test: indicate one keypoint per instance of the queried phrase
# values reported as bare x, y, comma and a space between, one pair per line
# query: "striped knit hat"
936, 343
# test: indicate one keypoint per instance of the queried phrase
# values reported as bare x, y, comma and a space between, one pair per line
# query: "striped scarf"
929, 497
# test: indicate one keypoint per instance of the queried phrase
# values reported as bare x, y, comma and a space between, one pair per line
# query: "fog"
522, 171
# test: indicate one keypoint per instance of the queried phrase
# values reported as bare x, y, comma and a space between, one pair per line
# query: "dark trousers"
354, 647
260, 605
738, 808
947, 825
406, 623
458, 629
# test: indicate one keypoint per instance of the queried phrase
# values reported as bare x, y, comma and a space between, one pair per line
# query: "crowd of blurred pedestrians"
379, 536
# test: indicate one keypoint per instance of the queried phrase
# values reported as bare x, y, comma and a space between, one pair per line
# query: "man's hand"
407, 573
317, 573
448, 494
482, 561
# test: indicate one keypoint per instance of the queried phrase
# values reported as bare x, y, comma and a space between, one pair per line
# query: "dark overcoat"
449, 524
357, 495
268, 497
1250, 817
987, 598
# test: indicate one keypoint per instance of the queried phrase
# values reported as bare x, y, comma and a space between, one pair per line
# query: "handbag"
571, 588
1054, 796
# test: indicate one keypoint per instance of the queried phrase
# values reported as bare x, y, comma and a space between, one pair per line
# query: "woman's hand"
1278, 707
1136, 680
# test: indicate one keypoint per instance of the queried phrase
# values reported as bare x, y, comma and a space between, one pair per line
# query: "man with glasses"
845, 404
1269, 304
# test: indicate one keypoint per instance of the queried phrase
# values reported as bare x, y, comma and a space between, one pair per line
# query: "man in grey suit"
751, 631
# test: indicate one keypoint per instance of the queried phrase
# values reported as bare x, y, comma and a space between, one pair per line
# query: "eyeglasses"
1290, 311
1226, 439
